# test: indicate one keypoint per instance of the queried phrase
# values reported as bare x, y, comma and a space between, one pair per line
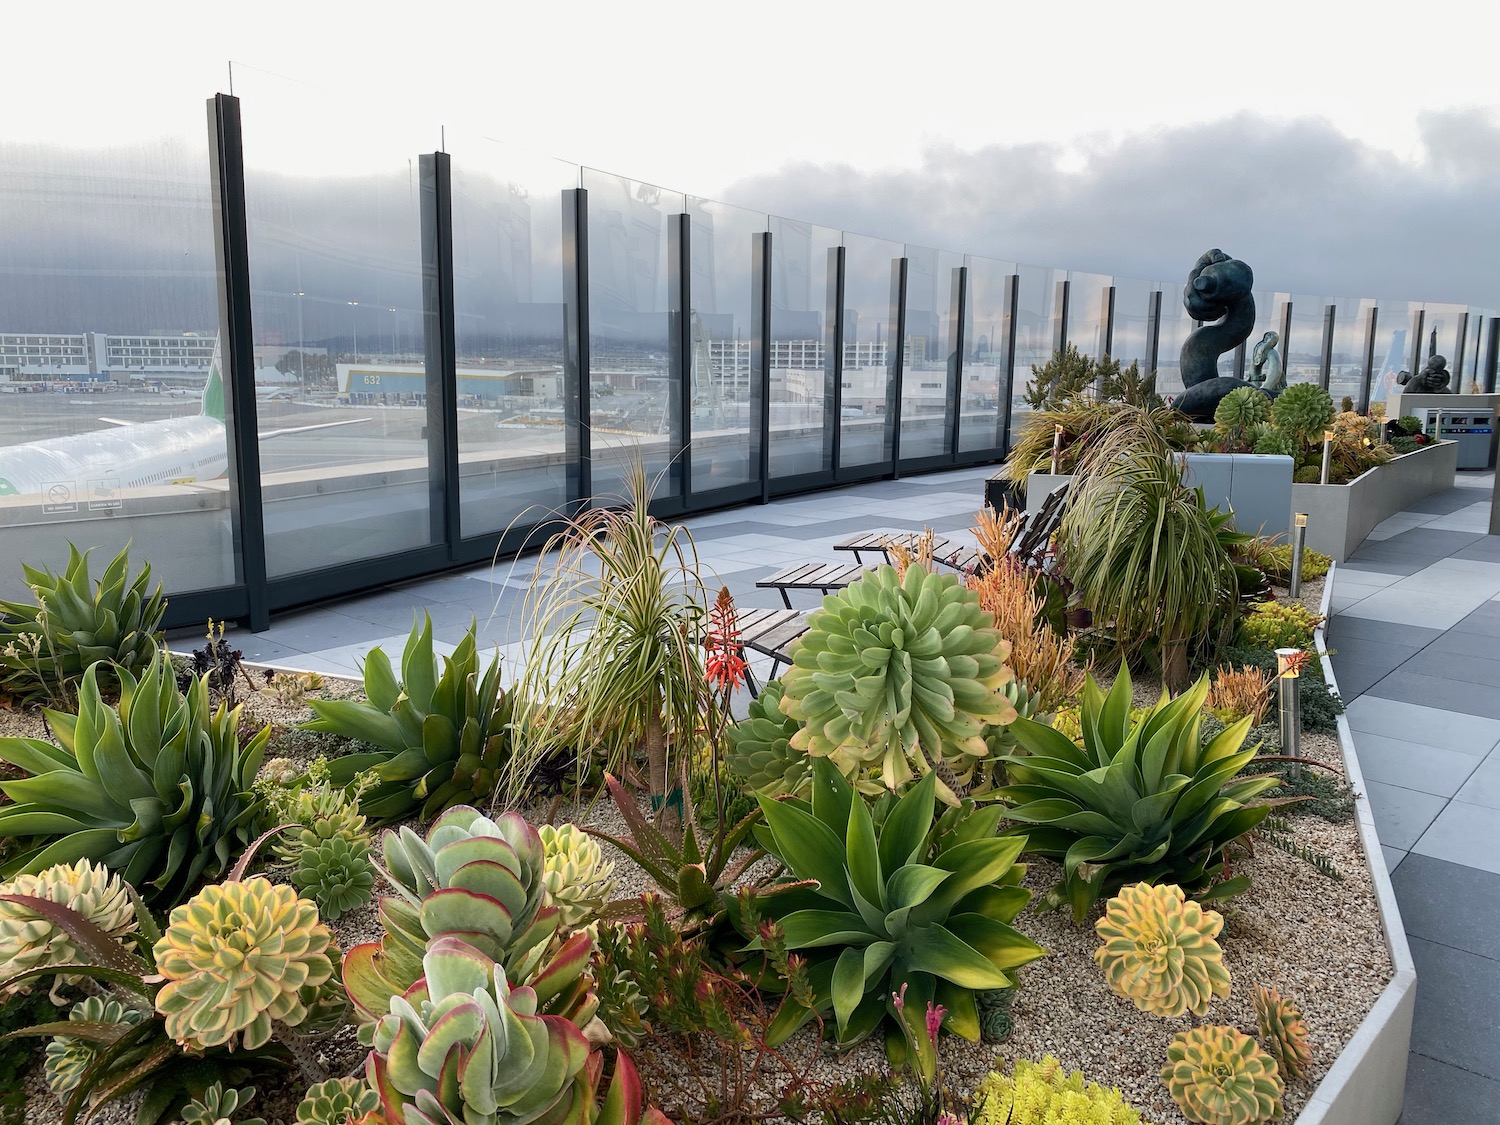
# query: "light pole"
354, 324
392, 311
301, 351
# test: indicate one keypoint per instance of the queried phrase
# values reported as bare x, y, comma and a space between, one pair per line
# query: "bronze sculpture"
1217, 290
1431, 380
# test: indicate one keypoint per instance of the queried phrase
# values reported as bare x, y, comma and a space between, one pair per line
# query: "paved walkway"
1416, 640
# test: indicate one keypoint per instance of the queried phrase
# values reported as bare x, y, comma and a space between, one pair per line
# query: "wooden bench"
769, 632
879, 542
823, 577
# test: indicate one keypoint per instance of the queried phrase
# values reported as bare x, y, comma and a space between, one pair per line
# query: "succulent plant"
579, 880
1142, 800
29, 941
1303, 411
995, 1007
1272, 441
1218, 1076
321, 812
337, 874
282, 772
339, 1101
46, 647
1242, 408
159, 790
1043, 1093
760, 752
899, 675
871, 911
1282, 1032
443, 732
1159, 950
238, 958
217, 1106
69, 1056
463, 1045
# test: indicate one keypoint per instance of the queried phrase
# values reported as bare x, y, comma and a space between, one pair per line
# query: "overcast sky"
1341, 148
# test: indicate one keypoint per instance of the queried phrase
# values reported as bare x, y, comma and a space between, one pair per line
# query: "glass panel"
1088, 312
1036, 333
1478, 326
508, 277
800, 380
632, 405
1303, 352
865, 437
1393, 346
980, 413
1176, 324
1351, 326
928, 367
722, 290
336, 275
1131, 339
111, 424
1442, 325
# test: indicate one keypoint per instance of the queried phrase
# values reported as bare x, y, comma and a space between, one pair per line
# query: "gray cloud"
1311, 209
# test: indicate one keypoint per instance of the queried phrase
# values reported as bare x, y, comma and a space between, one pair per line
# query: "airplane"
134, 454
1384, 384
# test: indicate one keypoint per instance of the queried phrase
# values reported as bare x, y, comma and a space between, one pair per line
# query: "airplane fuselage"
173, 451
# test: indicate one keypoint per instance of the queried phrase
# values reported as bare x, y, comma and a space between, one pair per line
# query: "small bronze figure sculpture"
1431, 380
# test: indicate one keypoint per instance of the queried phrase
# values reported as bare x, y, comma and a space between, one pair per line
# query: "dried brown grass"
1038, 655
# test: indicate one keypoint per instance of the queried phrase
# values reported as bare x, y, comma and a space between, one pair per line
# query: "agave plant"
1159, 951
159, 790
874, 915
443, 732
45, 648
901, 676
1143, 800
1218, 1076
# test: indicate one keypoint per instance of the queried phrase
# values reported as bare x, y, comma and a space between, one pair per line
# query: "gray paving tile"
1486, 645
1343, 629
1427, 769
1427, 726
1444, 543
399, 615
255, 648
1485, 550
1468, 668
1402, 815
1464, 834
1392, 856
1450, 904
1381, 653
1356, 677
1438, 1093
1485, 620
1363, 579
1430, 608
1400, 568
1445, 694
1482, 787
1457, 1019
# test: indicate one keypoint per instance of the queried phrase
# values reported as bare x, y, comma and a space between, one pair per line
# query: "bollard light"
1327, 454
1057, 433
1299, 538
1289, 663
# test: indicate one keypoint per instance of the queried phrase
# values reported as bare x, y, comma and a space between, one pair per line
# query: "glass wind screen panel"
632, 403
1176, 325
981, 395
801, 376
112, 417
1088, 313
1351, 326
509, 319
336, 276
1443, 325
868, 390
723, 287
929, 360
1131, 338
1036, 334
1473, 346
1303, 352
1270, 306
1394, 336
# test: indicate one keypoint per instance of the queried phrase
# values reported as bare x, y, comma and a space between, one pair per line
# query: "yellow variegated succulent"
339, 1101
238, 958
1043, 1093
69, 1056
1218, 1076
1159, 950
29, 941
1282, 1032
579, 880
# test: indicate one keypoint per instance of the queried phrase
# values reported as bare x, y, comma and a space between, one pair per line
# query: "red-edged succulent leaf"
100, 947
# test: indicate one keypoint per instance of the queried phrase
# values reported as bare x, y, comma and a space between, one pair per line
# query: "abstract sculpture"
1266, 370
1217, 289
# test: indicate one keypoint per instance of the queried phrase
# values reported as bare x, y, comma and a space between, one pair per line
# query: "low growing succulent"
871, 911
69, 1056
45, 648
158, 790
578, 878
1218, 1076
1303, 411
1282, 1032
240, 958
1159, 950
1142, 800
900, 676
339, 1101
30, 941
1043, 1093
218, 1106
1273, 625
760, 751
337, 875
1273, 442
442, 731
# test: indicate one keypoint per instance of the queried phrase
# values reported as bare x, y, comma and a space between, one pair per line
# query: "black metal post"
1286, 336
1153, 331
237, 350
1060, 324
1492, 359
1325, 371
1109, 322
1006, 385
958, 303
680, 361
1369, 376
895, 364
1417, 362
578, 443
760, 357
1458, 361
833, 359
441, 348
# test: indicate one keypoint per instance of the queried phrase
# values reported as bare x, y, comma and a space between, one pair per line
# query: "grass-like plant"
1085, 424
1148, 558
617, 614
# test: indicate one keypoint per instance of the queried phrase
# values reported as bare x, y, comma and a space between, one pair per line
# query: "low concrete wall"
1341, 516
1367, 1082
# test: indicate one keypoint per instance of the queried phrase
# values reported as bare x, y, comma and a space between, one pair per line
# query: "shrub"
1282, 1032
901, 677
1043, 1093
1159, 950
1273, 625
1320, 706
1084, 425
1040, 658
871, 909
1218, 1076
1276, 560
442, 730
1236, 694
29, 940
1410, 423
1139, 801
158, 790
1302, 412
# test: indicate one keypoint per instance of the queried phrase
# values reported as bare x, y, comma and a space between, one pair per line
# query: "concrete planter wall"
1340, 516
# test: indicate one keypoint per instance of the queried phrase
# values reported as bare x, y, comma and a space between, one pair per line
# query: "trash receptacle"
1472, 430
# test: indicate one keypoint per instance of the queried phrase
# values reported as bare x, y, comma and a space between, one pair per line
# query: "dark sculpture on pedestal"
1266, 369
1431, 380
1218, 289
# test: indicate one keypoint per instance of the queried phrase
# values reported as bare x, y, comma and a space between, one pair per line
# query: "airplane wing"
304, 429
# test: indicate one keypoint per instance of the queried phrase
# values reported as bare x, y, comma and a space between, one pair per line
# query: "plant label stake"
1327, 454
1057, 432
1299, 539
1289, 705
